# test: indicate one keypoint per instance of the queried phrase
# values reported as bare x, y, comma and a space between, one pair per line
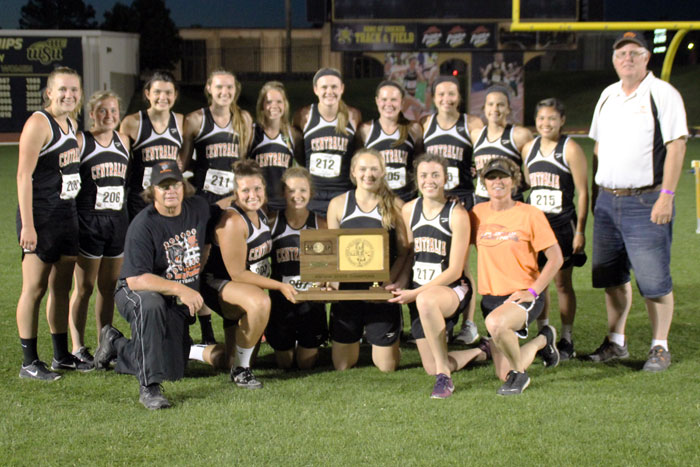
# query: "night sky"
187, 13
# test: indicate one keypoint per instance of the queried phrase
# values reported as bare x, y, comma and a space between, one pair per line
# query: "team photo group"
171, 217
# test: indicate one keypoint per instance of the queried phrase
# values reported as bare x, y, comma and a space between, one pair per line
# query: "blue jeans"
624, 237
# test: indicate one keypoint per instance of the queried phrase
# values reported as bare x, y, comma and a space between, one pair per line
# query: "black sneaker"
515, 383
549, 354
244, 378
83, 354
38, 370
609, 351
566, 349
106, 351
71, 362
152, 397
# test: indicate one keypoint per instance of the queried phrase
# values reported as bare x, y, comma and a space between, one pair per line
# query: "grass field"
576, 414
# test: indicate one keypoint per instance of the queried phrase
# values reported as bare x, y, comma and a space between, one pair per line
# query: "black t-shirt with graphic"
169, 247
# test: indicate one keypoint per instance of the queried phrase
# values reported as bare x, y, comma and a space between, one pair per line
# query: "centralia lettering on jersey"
287, 254
395, 156
259, 251
329, 143
447, 151
158, 153
108, 169
71, 156
221, 150
430, 245
546, 179
273, 159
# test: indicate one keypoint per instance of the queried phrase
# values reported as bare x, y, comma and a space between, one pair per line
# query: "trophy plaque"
344, 255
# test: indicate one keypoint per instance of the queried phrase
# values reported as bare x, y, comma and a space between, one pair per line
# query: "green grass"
578, 413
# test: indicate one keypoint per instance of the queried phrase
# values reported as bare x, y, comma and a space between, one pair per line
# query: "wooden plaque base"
315, 294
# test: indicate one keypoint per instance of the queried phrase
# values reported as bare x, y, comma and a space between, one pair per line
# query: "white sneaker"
468, 334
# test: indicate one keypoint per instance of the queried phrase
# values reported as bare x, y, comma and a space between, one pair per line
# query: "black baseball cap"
166, 170
497, 165
635, 37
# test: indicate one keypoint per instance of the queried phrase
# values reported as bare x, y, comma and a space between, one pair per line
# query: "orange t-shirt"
507, 243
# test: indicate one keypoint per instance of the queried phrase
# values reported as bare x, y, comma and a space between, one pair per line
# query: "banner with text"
25, 63
357, 37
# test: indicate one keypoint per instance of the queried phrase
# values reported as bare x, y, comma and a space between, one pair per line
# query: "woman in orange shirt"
509, 235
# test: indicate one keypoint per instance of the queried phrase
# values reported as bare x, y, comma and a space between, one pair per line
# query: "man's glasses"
632, 54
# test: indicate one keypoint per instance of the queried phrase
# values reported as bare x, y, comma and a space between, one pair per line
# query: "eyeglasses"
165, 186
632, 54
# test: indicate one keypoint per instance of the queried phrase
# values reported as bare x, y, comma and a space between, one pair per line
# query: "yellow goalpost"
681, 26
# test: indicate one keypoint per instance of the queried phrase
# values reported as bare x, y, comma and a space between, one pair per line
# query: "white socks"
616, 338
243, 357
197, 352
662, 343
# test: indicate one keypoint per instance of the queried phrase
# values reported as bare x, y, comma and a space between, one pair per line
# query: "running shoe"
515, 383
152, 397
609, 351
549, 353
244, 378
468, 334
443, 387
38, 370
658, 360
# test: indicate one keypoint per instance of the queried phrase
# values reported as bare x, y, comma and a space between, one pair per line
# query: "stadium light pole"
288, 13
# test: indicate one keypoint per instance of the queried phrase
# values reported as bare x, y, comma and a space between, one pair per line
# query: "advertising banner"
499, 68
357, 37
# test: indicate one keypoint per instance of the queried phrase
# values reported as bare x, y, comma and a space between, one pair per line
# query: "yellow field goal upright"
681, 26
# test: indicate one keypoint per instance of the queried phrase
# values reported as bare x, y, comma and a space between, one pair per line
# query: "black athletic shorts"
102, 235
57, 235
450, 321
210, 289
533, 308
305, 323
381, 322
565, 237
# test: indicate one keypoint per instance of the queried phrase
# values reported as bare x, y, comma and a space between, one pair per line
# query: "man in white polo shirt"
639, 126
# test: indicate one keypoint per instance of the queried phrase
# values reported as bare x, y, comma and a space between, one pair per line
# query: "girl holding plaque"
295, 331
438, 230
371, 204
238, 271
329, 132
47, 222
446, 133
396, 138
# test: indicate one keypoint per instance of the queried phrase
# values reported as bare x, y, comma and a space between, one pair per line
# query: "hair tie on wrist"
668, 192
533, 292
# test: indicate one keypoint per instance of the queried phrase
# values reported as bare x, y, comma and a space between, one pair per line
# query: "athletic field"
578, 413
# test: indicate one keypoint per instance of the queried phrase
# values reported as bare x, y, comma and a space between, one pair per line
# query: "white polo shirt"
632, 132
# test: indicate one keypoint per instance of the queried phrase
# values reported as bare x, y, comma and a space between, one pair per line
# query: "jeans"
624, 237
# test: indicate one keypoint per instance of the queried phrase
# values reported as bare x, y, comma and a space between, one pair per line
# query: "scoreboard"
25, 64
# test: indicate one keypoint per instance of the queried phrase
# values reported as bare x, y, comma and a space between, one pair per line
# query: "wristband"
532, 291
579, 233
668, 192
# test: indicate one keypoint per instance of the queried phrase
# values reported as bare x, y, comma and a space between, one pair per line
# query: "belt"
631, 191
